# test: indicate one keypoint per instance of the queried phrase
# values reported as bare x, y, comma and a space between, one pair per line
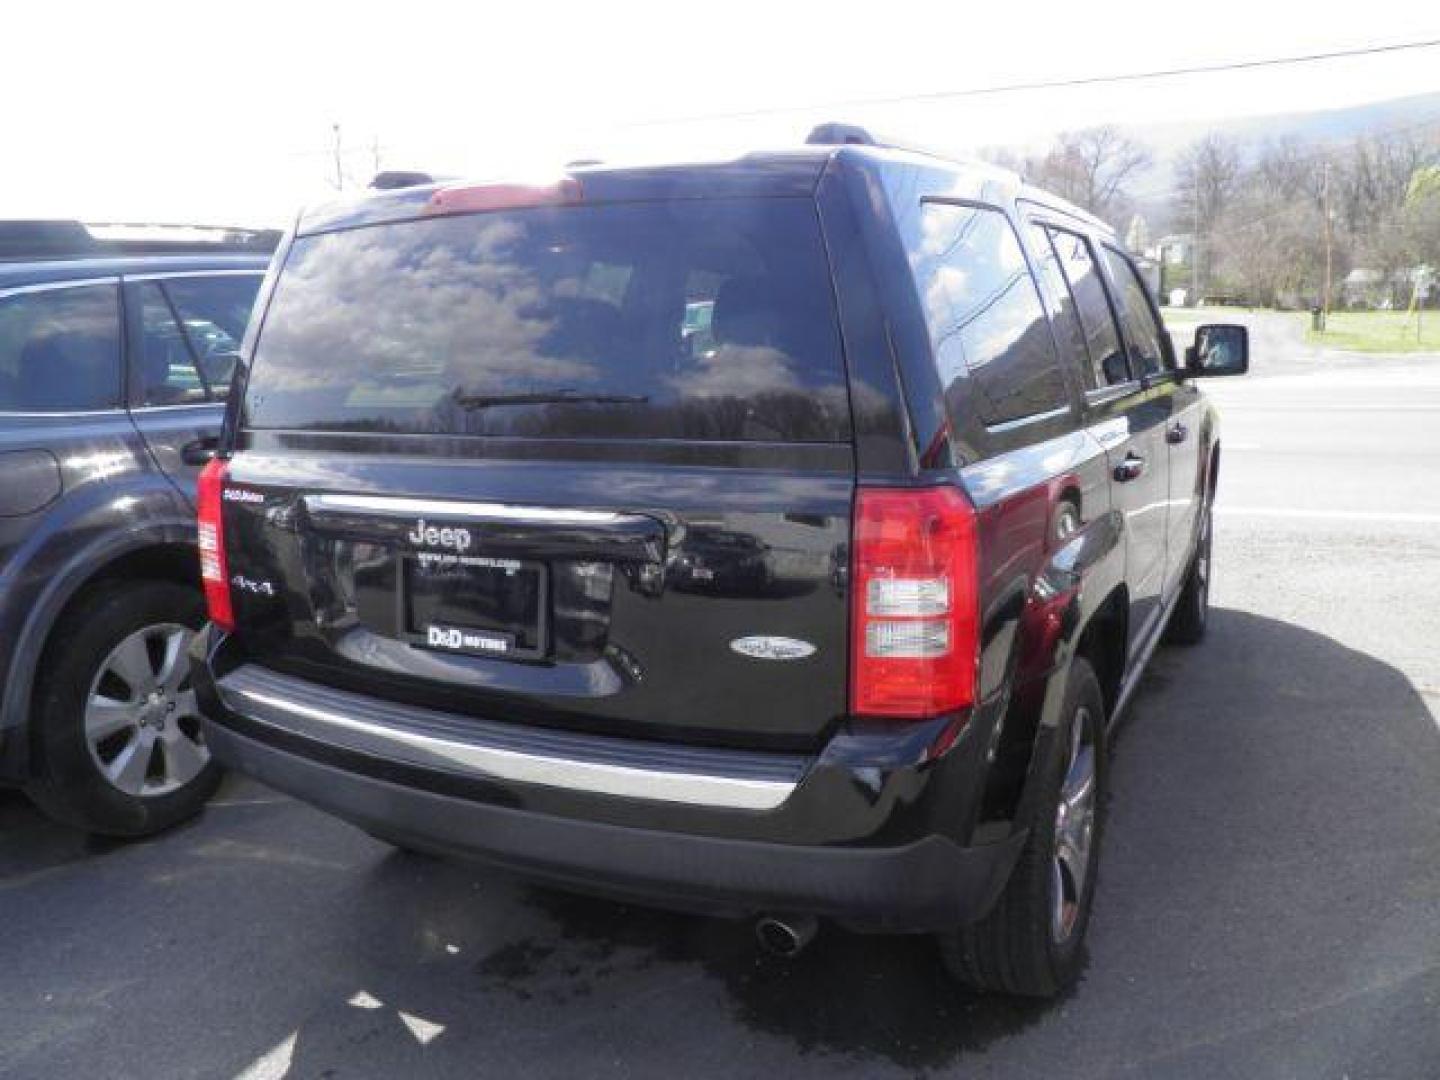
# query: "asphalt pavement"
1268, 902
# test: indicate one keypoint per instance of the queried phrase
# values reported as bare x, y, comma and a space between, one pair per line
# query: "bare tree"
1093, 169
1208, 175
1270, 248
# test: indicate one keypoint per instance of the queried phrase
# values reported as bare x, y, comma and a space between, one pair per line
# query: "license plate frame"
459, 634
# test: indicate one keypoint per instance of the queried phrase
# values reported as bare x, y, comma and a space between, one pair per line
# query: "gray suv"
115, 362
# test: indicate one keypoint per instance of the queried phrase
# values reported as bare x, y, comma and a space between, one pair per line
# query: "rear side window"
1063, 315
698, 319
1142, 331
1077, 262
60, 350
191, 336
984, 313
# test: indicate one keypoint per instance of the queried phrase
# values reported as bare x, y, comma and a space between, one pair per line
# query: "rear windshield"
690, 319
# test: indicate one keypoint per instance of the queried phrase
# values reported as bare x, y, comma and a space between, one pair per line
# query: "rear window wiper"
548, 397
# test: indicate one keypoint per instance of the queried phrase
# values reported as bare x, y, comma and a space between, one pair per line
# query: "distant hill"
1397, 116
1329, 125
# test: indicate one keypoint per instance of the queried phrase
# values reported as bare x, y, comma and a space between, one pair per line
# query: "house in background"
1366, 288
1172, 250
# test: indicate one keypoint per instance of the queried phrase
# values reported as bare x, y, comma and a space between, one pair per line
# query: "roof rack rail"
68, 239
833, 133
393, 179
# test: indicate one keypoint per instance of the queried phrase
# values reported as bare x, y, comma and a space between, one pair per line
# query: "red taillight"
914, 627
213, 573
472, 197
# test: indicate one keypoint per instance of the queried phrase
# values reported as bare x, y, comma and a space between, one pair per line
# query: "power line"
1049, 84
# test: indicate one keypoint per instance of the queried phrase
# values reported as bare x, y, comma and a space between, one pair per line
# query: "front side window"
692, 319
1147, 353
1102, 336
60, 350
192, 331
983, 309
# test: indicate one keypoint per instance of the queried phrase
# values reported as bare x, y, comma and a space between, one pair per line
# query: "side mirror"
1219, 349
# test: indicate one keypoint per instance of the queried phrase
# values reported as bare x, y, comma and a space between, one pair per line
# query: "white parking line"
1382, 516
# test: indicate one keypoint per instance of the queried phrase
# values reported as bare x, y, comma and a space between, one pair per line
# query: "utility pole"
375, 156
1195, 246
339, 167
1329, 243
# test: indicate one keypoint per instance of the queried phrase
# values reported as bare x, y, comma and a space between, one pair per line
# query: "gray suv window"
984, 313
192, 330
60, 349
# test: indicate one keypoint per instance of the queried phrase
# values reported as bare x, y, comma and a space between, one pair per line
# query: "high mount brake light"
214, 575
471, 197
915, 603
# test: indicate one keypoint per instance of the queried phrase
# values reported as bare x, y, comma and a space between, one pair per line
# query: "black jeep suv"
116, 350
822, 611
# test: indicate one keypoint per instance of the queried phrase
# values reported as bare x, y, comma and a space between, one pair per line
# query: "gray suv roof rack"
31, 240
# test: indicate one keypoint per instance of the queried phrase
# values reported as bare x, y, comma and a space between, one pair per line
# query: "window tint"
192, 332
1063, 316
1077, 262
984, 313
60, 350
695, 319
1147, 354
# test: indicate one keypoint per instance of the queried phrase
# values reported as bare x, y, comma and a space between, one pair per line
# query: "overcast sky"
223, 112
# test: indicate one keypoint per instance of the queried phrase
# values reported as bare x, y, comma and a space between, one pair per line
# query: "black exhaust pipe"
785, 935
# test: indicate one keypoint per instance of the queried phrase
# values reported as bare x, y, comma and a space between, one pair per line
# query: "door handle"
1130, 468
200, 451
1176, 433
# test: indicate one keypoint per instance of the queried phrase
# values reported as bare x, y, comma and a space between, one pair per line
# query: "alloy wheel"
1074, 828
142, 722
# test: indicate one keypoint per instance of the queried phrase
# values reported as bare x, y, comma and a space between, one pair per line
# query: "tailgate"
700, 604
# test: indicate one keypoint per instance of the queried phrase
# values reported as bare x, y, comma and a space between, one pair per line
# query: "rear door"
183, 334
587, 466
1128, 419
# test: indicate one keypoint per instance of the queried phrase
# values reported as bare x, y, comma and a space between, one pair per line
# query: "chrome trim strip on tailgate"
476, 511
432, 740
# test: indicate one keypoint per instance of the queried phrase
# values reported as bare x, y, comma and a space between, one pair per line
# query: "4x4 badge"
773, 648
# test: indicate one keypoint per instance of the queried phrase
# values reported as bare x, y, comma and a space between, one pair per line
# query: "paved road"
1269, 904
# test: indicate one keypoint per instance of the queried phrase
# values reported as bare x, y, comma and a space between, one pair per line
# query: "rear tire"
117, 743
1030, 942
1192, 610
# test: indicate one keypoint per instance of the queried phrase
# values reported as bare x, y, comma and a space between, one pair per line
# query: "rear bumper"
651, 850
931, 884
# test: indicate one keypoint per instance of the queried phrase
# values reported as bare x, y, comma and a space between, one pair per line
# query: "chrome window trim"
48, 286
163, 275
399, 506
597, 778
219, 403
119, 411
1103, 395
1006, 426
